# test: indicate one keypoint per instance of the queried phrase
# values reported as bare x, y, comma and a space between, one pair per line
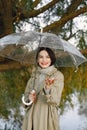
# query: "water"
71, 119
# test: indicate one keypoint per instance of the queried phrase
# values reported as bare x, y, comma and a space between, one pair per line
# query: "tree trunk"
6, 24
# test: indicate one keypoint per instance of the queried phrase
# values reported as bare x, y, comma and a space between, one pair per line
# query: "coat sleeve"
54, 96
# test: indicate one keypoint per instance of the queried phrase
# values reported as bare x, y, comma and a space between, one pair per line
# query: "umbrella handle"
25, 103
29, 103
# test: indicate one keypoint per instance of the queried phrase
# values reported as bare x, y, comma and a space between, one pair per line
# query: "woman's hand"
32, 96
49, 81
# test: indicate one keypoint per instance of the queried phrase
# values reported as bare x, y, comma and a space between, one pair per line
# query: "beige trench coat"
43, 114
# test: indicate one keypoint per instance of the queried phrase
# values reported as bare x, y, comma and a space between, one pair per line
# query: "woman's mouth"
44, 63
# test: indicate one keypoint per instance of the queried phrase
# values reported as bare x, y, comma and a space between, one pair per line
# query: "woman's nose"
44, 59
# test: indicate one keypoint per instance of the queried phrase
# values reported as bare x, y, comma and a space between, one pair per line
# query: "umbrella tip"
76, 69
41, 30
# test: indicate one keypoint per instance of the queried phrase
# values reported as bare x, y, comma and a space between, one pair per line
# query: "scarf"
47, 71
43, 73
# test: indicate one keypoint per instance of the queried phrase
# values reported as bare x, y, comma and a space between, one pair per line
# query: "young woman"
48, 83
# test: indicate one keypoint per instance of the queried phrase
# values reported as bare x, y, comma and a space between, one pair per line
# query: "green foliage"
24, 4
12, 86
75, 82
82, 43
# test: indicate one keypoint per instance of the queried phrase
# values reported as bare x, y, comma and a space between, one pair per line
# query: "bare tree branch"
60, 23
43, 9
35, 3
6, 64
74, 5
6, 12
34, 13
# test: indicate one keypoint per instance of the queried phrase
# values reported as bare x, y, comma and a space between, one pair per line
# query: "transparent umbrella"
23, 47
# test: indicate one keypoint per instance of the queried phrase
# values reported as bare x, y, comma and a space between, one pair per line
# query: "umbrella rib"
74, 61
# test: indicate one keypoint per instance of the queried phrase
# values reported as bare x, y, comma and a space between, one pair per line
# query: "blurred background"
68, 20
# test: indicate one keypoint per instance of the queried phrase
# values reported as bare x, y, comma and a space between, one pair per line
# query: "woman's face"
44, 60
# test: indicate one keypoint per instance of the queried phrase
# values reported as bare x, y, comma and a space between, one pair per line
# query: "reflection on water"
72, 119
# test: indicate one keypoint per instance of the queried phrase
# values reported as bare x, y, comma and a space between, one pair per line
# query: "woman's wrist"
47, 89
47, 86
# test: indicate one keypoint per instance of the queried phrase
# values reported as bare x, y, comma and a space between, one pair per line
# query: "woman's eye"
47, 57
44, 57
40, 56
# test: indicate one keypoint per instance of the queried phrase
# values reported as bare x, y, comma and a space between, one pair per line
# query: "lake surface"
72, 119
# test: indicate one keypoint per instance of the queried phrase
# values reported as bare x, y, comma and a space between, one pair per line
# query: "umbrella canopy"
23, 47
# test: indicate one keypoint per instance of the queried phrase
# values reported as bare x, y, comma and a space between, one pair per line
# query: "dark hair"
50, 53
